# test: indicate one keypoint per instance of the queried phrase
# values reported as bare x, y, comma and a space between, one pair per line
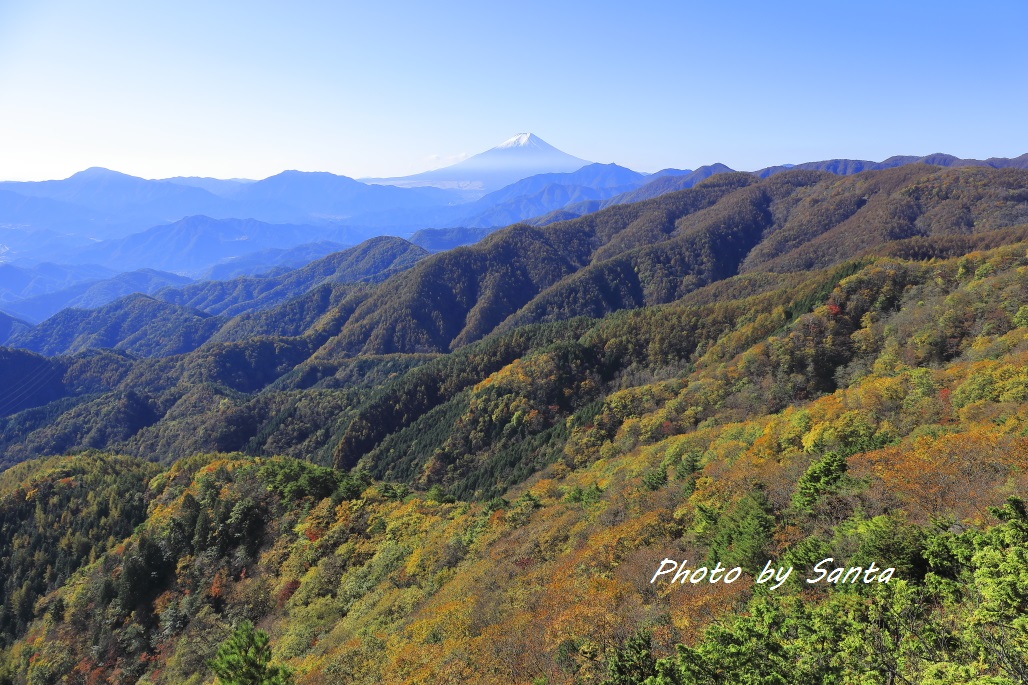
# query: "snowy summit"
521, 156
520, 140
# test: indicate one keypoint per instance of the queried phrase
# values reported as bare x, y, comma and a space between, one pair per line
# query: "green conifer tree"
245, 659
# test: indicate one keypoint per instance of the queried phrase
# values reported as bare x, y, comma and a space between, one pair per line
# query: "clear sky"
159, 88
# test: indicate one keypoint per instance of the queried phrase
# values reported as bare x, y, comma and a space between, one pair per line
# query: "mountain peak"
523, 140
98, 172
521, 156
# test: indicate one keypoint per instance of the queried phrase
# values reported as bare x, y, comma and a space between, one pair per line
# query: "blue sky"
234, 89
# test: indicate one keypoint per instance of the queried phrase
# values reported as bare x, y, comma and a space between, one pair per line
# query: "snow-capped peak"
520, 140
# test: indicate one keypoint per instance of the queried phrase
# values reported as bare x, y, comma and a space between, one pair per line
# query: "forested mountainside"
372, 261
176, 320
471, 470
629, 256
652, 252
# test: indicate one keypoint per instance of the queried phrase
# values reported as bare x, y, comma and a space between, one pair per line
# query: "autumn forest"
398, 466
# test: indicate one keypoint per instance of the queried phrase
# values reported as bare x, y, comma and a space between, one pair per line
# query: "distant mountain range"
93, 293
205, 228
100, 203
39, 220
269, 260
17, 282
217, 186
181, 316
388, 296
196, 243
522, 178
530, 197
844, 167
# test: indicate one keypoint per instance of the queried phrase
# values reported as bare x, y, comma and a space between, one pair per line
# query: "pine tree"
244, 659
822, 476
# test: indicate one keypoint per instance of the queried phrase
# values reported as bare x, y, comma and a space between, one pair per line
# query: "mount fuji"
521, 156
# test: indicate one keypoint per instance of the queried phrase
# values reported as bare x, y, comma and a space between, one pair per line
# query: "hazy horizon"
249, 90
456, 159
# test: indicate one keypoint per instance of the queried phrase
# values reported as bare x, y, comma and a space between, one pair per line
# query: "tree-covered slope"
457, 297
373, 260
277, 381
513, 499
657, 251
845, 216
472, 470
57, 515
178, 320
136, 323
626, 256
